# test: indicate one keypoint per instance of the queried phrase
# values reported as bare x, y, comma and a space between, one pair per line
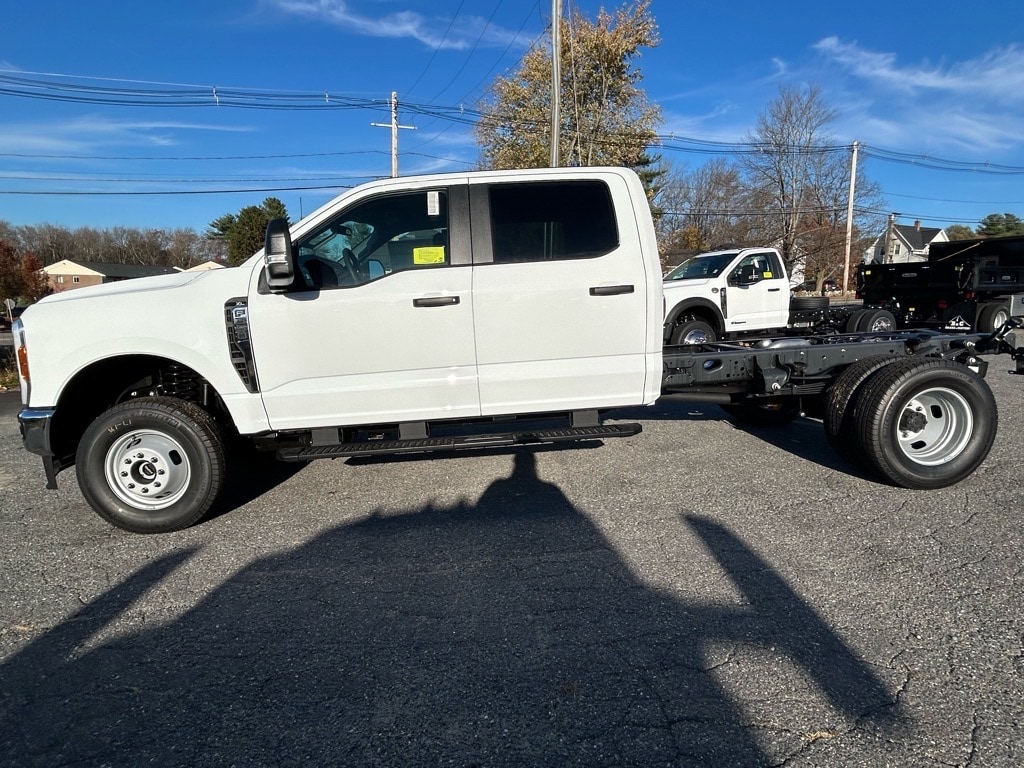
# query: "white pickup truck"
441, 312
744, 292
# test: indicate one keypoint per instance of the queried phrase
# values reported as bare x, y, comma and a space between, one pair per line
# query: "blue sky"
920, 84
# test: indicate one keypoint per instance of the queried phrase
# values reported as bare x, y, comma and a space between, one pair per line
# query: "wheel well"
107, 382
698, 311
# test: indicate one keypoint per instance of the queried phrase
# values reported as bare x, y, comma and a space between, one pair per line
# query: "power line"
433, 55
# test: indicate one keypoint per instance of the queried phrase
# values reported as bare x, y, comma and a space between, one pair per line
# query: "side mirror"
744, 278
277, 255
376, 269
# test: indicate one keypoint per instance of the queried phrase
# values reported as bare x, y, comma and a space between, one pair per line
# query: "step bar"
456, 443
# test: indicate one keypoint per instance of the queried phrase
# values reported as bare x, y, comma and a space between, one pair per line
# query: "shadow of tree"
503, 633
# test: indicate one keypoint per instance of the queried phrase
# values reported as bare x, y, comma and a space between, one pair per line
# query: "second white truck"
745, 291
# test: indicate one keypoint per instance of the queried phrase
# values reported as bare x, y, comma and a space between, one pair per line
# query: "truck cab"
456, 310
712, 295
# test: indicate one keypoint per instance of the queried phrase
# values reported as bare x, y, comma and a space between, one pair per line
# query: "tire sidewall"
110, 427
841, 403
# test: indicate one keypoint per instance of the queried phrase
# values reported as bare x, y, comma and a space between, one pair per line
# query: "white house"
908, 243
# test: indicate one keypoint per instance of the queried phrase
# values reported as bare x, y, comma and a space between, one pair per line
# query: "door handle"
611, 290
436, 301
774, 290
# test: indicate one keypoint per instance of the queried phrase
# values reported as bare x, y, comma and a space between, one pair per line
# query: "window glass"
536, 222
376, 237
756, 266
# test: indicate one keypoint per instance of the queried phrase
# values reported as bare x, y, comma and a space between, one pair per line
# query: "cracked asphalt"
699, 594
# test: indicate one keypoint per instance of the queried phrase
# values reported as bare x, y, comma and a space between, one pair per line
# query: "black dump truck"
965, 285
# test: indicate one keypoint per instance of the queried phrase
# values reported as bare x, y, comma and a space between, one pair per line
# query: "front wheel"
693, 331
151, 465
925, 423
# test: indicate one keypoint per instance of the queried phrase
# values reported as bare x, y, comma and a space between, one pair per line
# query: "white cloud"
974, 106
91, 131
463, 33
999, 73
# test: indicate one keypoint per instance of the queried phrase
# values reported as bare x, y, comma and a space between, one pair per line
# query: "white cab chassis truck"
742, 292
474, 310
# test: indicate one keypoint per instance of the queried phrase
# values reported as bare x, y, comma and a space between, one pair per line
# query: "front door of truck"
379, 328
757, 294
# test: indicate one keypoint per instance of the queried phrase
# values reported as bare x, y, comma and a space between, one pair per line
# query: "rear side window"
543, 221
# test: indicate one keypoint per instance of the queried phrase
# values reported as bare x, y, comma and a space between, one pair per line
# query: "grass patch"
8, 377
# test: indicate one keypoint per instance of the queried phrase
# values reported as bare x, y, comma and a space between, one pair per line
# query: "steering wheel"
349, 260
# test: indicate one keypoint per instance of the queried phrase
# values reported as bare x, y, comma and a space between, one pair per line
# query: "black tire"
925, 423
992, 316
839, 404
854, 320
151, 465
777, 412
808, 302
877, 321
692, 330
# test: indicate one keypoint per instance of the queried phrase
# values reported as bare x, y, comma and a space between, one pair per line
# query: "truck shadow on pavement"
803, 437
507, 632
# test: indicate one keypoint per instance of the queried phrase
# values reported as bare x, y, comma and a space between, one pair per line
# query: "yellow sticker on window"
428, 254
766, 275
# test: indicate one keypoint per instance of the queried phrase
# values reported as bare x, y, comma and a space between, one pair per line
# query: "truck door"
381, 327
560, 295
757, 293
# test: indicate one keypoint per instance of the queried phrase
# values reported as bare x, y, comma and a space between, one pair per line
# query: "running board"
499, 440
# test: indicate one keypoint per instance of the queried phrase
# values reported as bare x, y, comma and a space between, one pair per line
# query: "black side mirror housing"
277, 256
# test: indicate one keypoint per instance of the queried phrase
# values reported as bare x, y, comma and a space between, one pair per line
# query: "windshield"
702, 266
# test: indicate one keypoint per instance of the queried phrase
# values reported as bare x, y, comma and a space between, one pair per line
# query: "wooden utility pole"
556, 77
849, 218
394, 126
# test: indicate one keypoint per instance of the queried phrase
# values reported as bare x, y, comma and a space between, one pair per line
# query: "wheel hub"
147, 469
935, 427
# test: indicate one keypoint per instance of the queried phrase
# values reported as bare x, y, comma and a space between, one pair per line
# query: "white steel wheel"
151, 465
924, 422
935, 426
148, 470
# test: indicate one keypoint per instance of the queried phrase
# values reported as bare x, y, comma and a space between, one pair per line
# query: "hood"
134, 285
689, 283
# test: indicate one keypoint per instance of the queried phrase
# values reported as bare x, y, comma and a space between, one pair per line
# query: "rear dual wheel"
918, 422
991, 317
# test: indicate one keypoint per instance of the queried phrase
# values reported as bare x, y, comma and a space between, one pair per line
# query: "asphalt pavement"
700, 594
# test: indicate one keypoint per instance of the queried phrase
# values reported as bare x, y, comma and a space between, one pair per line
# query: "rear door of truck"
561, 297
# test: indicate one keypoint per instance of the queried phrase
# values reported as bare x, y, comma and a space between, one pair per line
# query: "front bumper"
35, 426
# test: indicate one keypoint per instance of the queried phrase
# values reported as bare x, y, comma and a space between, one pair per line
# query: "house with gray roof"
907, 243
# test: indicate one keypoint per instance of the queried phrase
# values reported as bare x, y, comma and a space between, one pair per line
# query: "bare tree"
792, 155
704, 209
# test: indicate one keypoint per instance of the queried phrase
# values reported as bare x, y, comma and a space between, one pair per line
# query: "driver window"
375, 238
755, 267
